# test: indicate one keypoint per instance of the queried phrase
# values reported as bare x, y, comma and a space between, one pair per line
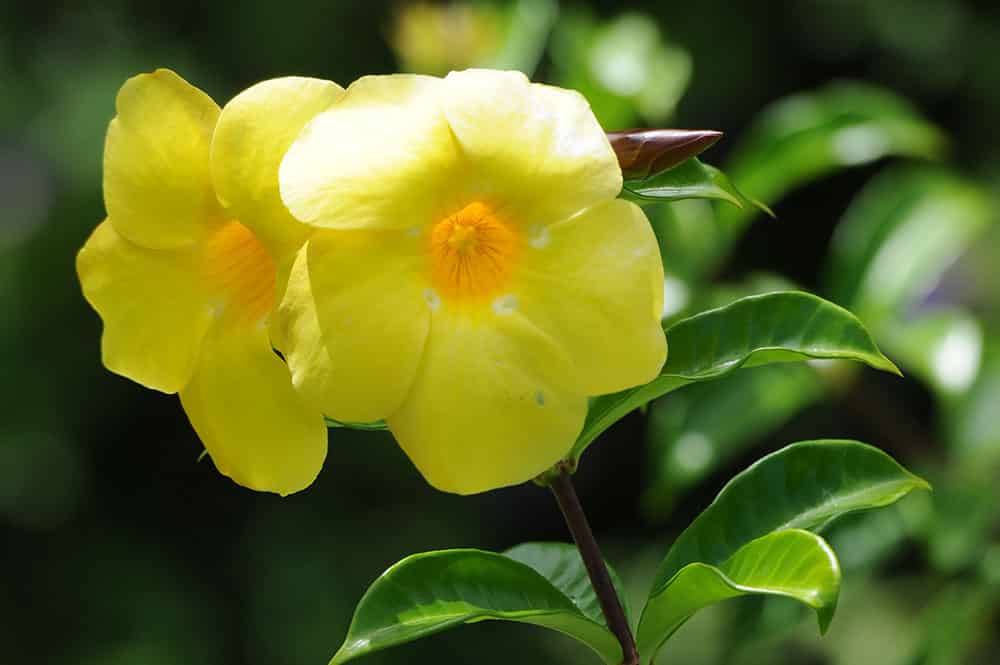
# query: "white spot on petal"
505, 304
413, 231
538, 236
432, 298
540, 398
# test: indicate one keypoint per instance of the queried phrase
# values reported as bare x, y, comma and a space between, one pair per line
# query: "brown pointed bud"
645, 152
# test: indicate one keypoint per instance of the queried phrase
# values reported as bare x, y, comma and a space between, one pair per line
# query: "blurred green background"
118, 547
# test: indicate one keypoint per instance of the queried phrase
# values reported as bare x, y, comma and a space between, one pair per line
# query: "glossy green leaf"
806, 485
561, 564
756, 330
691, 179
897, 239
427, 593
802, 486
792, 563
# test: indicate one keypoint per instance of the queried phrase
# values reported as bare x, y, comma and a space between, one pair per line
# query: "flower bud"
645, 152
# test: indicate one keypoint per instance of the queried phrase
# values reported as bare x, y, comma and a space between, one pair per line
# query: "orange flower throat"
242, 271
472, 253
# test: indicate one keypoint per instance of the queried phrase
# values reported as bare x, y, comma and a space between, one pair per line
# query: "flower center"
472, 252
240, 268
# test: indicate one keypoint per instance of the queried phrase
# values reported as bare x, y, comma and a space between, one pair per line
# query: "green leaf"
691, 179
792, 563
806, 485
431, 592
375, 425
756, 330
561, 564
899, 236
809, 135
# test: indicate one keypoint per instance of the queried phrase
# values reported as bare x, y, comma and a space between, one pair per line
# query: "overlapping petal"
356, 316
488, 407
154, 307
256, 428
381, 157
594, 283
157, 187
254, 131
536, 149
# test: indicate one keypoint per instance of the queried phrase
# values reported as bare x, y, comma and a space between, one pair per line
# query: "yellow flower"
476, 278
185, 270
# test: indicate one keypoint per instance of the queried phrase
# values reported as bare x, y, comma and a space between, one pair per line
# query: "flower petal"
536, 148
355, 318
254, 131
594, 283
157, 187
256, 428
487, 408
381, 157
154, 308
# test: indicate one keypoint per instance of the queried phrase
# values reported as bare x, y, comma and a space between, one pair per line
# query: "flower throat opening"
472, 253
239, 266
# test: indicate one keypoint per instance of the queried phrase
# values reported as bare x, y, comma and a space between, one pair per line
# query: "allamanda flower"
476, 278
185, 270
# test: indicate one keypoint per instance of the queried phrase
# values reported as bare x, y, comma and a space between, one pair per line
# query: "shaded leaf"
562, 565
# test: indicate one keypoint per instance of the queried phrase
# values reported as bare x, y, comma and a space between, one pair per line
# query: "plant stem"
561, 484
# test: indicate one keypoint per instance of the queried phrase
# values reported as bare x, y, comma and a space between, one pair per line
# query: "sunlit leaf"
427, 593
757, 330
693, 179
792, 563
805, 485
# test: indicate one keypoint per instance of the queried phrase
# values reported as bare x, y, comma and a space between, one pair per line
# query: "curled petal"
256, 428
254, 131
381, 157
154, 307
532, 147
157, 187
355, 317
